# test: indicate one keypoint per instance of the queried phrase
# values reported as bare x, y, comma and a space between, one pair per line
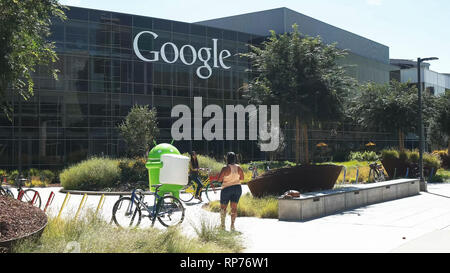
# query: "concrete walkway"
415, 224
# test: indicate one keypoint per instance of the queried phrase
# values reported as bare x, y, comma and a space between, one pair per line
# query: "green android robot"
154, 165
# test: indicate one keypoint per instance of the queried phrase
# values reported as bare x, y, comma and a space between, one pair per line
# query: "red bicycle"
29, 195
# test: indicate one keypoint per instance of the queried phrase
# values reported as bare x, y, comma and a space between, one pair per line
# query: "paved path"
415, 224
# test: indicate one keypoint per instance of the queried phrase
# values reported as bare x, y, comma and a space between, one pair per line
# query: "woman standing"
231, 177
193, 175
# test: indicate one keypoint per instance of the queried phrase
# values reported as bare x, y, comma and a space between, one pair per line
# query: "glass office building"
101, 78
434, 82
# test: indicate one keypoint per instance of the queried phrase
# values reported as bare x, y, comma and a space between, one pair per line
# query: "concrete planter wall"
319, 204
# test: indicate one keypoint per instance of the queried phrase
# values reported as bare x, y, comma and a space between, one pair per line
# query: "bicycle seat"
157, 186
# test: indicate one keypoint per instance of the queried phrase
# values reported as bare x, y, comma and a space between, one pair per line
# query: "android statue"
159, 166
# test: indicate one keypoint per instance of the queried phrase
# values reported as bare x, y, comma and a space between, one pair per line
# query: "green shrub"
389, 154
48, 176
32, 172
355, 156
431, 161
13, 176
445, 158
442, 176
92, 174
363, 156
133, 171
404, 156
412, 157
3, 173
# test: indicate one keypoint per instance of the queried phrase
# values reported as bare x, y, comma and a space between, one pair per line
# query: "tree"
24, 27
275, 131
301, 75
391, 107
443, 116
139, 129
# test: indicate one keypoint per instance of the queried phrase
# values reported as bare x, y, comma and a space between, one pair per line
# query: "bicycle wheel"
189, 192
126, 213
381, 177
9, 193
372, 176
30, 196
213, 194
170, 211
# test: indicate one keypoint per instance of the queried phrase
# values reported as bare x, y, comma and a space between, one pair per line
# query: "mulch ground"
18, 219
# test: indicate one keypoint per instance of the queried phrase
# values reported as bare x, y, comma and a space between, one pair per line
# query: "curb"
106, 193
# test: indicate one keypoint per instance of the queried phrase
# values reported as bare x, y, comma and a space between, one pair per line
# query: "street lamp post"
423, 184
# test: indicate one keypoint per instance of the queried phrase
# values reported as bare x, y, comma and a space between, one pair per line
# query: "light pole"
423, 184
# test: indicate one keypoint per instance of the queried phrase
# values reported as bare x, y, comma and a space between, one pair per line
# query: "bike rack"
357, 175
20, 195
100, 204
431, 175
82, 203
66, 199
345, 174
49, 201
34, 198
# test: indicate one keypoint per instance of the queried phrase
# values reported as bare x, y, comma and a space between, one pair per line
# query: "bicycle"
4, 191
210, 186
128, 210
414, 171
254, 168
29, 195
377, 172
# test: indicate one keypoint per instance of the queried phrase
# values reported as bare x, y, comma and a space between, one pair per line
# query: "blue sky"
411, 28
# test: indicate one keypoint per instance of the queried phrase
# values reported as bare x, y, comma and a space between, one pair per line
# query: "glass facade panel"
77, 33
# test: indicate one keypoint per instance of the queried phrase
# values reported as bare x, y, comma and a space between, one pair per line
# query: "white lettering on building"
204, 55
